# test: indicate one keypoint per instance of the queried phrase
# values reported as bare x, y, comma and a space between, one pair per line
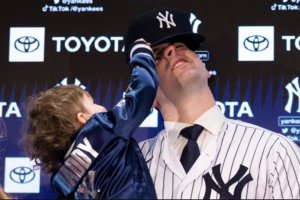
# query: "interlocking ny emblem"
222, 188
86, 188
162, 19
293, 91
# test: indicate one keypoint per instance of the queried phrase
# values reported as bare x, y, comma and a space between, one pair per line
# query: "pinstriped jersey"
242, 161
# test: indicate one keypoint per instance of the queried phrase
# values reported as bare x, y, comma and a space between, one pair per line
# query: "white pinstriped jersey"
241, 161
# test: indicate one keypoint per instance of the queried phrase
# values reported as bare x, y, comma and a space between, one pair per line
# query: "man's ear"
81, 118
155, 103
208, 74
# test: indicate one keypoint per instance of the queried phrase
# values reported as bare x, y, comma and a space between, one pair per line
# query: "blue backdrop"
252, 51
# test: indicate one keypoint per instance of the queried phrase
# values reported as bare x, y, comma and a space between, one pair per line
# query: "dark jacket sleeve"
131, 111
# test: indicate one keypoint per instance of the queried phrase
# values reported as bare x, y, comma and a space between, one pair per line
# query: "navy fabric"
191, 151
106, 162
139, 50
154, 31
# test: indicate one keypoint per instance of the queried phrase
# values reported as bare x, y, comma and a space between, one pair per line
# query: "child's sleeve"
131, 111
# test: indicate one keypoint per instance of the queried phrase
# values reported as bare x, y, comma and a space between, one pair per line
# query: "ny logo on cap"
162, 19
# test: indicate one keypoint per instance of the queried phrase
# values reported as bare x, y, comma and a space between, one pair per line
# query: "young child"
90, 151
3, 195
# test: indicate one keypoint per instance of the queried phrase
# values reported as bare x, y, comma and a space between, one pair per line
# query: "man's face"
179, 69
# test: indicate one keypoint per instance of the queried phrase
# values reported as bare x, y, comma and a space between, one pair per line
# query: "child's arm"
131, 111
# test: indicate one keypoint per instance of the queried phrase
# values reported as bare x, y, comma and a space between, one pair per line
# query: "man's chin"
188, 74
189, 80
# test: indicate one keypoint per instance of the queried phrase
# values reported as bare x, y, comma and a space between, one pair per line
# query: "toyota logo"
22, 175
256, 43
27, 44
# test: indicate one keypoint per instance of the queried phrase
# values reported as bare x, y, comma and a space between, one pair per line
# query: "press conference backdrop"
252, 52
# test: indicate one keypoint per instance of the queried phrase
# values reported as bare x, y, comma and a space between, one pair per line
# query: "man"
202, 154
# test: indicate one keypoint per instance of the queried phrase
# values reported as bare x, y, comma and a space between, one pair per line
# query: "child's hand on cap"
143, 40
142, 47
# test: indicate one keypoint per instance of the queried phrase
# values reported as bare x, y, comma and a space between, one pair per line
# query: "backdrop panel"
252, 52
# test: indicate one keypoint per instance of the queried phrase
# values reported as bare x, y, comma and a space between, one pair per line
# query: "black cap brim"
191, 40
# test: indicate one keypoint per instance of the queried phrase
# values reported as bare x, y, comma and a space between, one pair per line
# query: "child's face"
91, 107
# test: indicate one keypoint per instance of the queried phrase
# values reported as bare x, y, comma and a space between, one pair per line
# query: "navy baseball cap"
162, 25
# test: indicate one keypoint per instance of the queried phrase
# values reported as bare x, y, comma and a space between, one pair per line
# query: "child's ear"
81, 118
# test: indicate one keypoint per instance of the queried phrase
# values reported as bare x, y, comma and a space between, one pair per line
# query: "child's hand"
140, 46
142, 39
